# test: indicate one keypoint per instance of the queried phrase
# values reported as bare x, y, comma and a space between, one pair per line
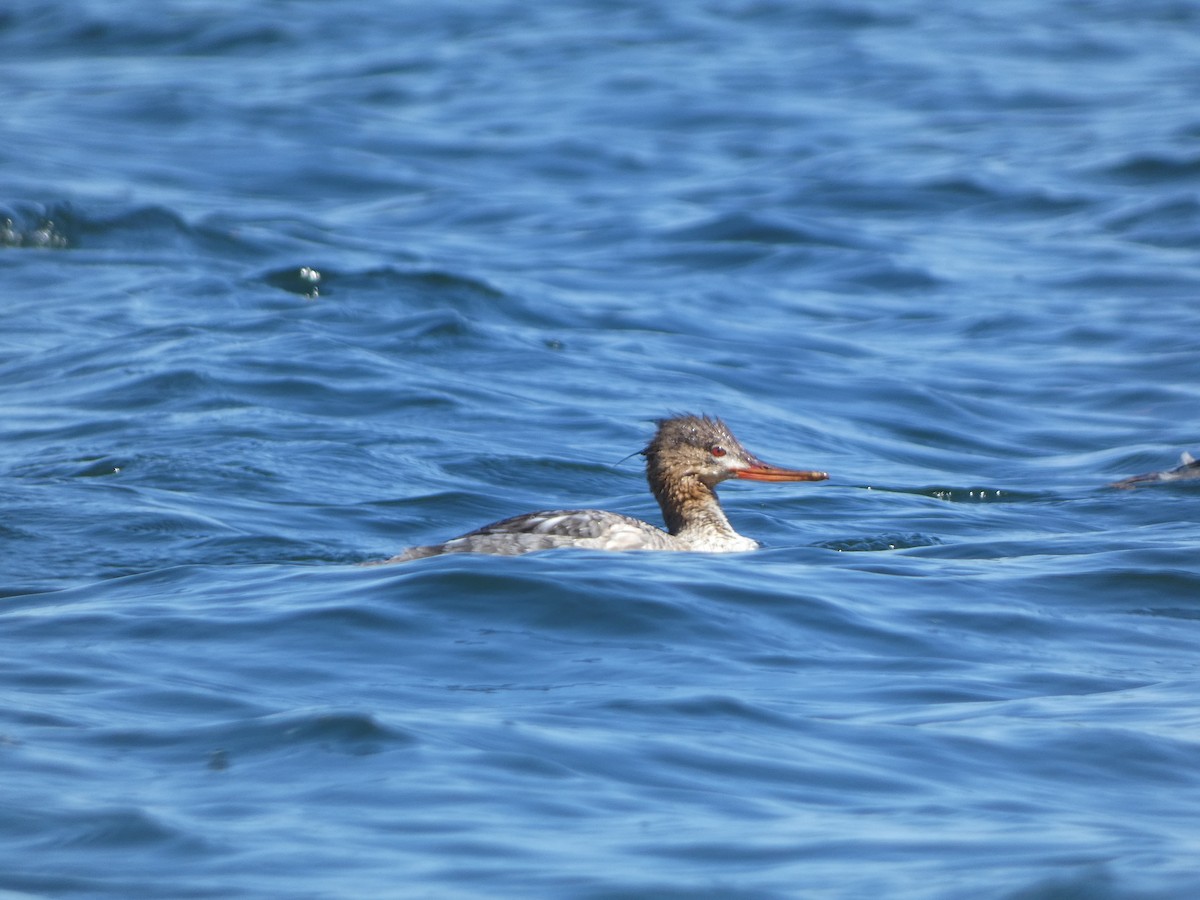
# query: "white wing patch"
550, 524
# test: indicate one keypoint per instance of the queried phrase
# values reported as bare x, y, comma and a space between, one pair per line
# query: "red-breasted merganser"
687, 458
1188, 468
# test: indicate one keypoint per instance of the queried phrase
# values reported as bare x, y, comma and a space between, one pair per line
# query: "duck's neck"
691, 510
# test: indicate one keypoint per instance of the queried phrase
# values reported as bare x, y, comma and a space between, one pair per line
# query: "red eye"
717, 450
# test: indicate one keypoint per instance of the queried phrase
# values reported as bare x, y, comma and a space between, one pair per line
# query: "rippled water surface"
290, 289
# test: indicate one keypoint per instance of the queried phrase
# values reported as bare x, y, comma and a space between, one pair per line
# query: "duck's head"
704, 448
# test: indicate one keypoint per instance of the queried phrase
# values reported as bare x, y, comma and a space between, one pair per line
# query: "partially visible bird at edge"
1188, 468
685, 461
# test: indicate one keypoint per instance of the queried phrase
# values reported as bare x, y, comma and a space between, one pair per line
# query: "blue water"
290, 288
